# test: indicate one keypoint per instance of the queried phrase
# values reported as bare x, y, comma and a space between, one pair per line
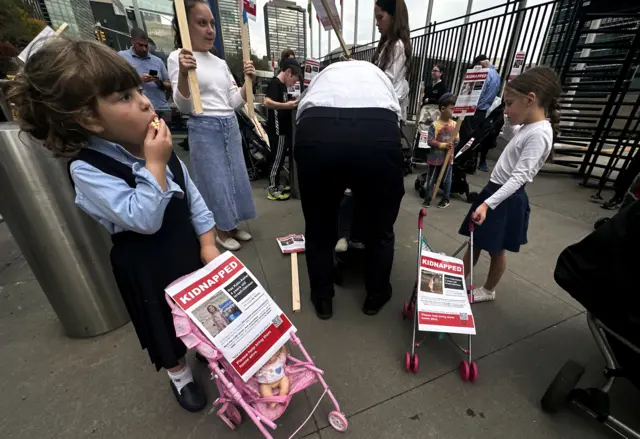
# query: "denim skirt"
218, 169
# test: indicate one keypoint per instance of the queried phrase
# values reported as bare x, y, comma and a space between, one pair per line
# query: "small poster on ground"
323, 15
443, 305
518, 65
470, 91
232, 309
291, 244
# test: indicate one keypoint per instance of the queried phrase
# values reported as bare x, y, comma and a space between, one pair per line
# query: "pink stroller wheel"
465, 370
473, 372
338, 421
226, 420
405, 311
407, 362
234, 414
415, 365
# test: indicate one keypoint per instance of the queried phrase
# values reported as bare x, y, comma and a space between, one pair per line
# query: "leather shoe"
324, 308
192, 398
373, 304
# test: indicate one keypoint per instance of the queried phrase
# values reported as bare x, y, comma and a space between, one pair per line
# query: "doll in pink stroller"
234, 392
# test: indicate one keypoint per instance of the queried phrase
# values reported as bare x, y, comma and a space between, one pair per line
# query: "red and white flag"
248, 10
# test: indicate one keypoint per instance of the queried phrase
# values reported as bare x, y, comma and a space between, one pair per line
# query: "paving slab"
9, 250
101, 387
504, 403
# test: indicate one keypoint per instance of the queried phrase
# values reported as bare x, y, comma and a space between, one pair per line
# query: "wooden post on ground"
183, 24
295, 283
446, 159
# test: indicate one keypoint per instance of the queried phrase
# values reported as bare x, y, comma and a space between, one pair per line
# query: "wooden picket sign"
183, 24
246, 56
336, 29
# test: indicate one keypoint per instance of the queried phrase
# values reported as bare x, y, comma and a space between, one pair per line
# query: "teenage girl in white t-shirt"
501, 211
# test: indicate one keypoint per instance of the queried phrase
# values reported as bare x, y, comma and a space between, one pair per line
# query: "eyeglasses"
435, 71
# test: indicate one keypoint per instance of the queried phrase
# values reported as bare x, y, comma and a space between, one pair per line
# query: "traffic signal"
100, 36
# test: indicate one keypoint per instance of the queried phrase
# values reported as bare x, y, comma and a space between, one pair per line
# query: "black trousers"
358, 149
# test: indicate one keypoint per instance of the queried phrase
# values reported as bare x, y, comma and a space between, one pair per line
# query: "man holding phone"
152, 70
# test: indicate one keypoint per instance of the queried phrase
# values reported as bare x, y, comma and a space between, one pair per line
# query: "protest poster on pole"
236, 314
518, 65
466, 105
330, 19
442, 302
293, 244
45, 34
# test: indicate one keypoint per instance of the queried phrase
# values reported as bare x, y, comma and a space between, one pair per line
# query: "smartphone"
153, 73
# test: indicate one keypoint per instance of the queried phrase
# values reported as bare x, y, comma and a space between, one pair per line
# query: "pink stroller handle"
472, 224
423, 213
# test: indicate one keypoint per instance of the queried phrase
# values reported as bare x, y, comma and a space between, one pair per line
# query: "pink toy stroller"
468, 368
235, 392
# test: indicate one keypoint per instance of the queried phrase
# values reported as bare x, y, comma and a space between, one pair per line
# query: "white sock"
181, 378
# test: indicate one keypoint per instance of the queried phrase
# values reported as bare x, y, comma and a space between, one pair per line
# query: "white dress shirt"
219, 92
350, 84
396, 71
522, 158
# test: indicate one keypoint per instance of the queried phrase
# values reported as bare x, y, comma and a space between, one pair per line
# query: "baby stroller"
234, 392
466, 163
256, 150
428, 113
603, 282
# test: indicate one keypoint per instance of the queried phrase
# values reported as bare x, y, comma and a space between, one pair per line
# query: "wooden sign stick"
295, 282
246, 56
63, 27
446, 159
336, 29
183, 24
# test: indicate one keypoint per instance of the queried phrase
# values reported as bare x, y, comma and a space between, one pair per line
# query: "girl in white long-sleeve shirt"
501, 211
394, 49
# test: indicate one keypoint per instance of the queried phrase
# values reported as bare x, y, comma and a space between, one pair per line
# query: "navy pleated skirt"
504, 228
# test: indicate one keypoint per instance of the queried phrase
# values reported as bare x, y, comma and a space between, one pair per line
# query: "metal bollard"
67, 251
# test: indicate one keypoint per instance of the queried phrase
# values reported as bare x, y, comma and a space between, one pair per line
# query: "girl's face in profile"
383, 20
202, 28
518, 106
123, 118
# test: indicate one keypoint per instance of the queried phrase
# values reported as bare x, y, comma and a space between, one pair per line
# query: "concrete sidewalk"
55, 387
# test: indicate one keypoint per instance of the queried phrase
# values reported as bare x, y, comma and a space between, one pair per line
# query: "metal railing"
595, 52
499, 32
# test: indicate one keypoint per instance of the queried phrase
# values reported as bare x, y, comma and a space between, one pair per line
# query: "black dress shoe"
324, 308
373, 304
192, 398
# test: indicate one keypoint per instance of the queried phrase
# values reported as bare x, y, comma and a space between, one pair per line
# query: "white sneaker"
342, 245
242, 235
229, 243
483, 295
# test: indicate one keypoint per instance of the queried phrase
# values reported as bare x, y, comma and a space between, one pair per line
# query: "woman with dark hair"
436, 88
217, 161
393, 54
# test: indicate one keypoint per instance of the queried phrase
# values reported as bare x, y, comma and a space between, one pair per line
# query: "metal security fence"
593, 45
498, 32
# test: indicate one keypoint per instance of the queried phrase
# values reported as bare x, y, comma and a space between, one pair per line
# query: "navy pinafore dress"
144, 265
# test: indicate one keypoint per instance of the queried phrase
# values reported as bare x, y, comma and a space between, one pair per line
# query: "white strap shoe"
483, 295
229, 243
242, 235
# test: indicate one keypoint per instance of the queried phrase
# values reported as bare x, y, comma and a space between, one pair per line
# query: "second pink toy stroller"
234, 392
468, 368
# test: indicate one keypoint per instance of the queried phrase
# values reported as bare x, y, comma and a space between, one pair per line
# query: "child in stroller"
599, 273
468, 149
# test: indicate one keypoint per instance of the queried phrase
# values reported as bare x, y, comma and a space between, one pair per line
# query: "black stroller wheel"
417, 184
253, 174
557, 395
599, 223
